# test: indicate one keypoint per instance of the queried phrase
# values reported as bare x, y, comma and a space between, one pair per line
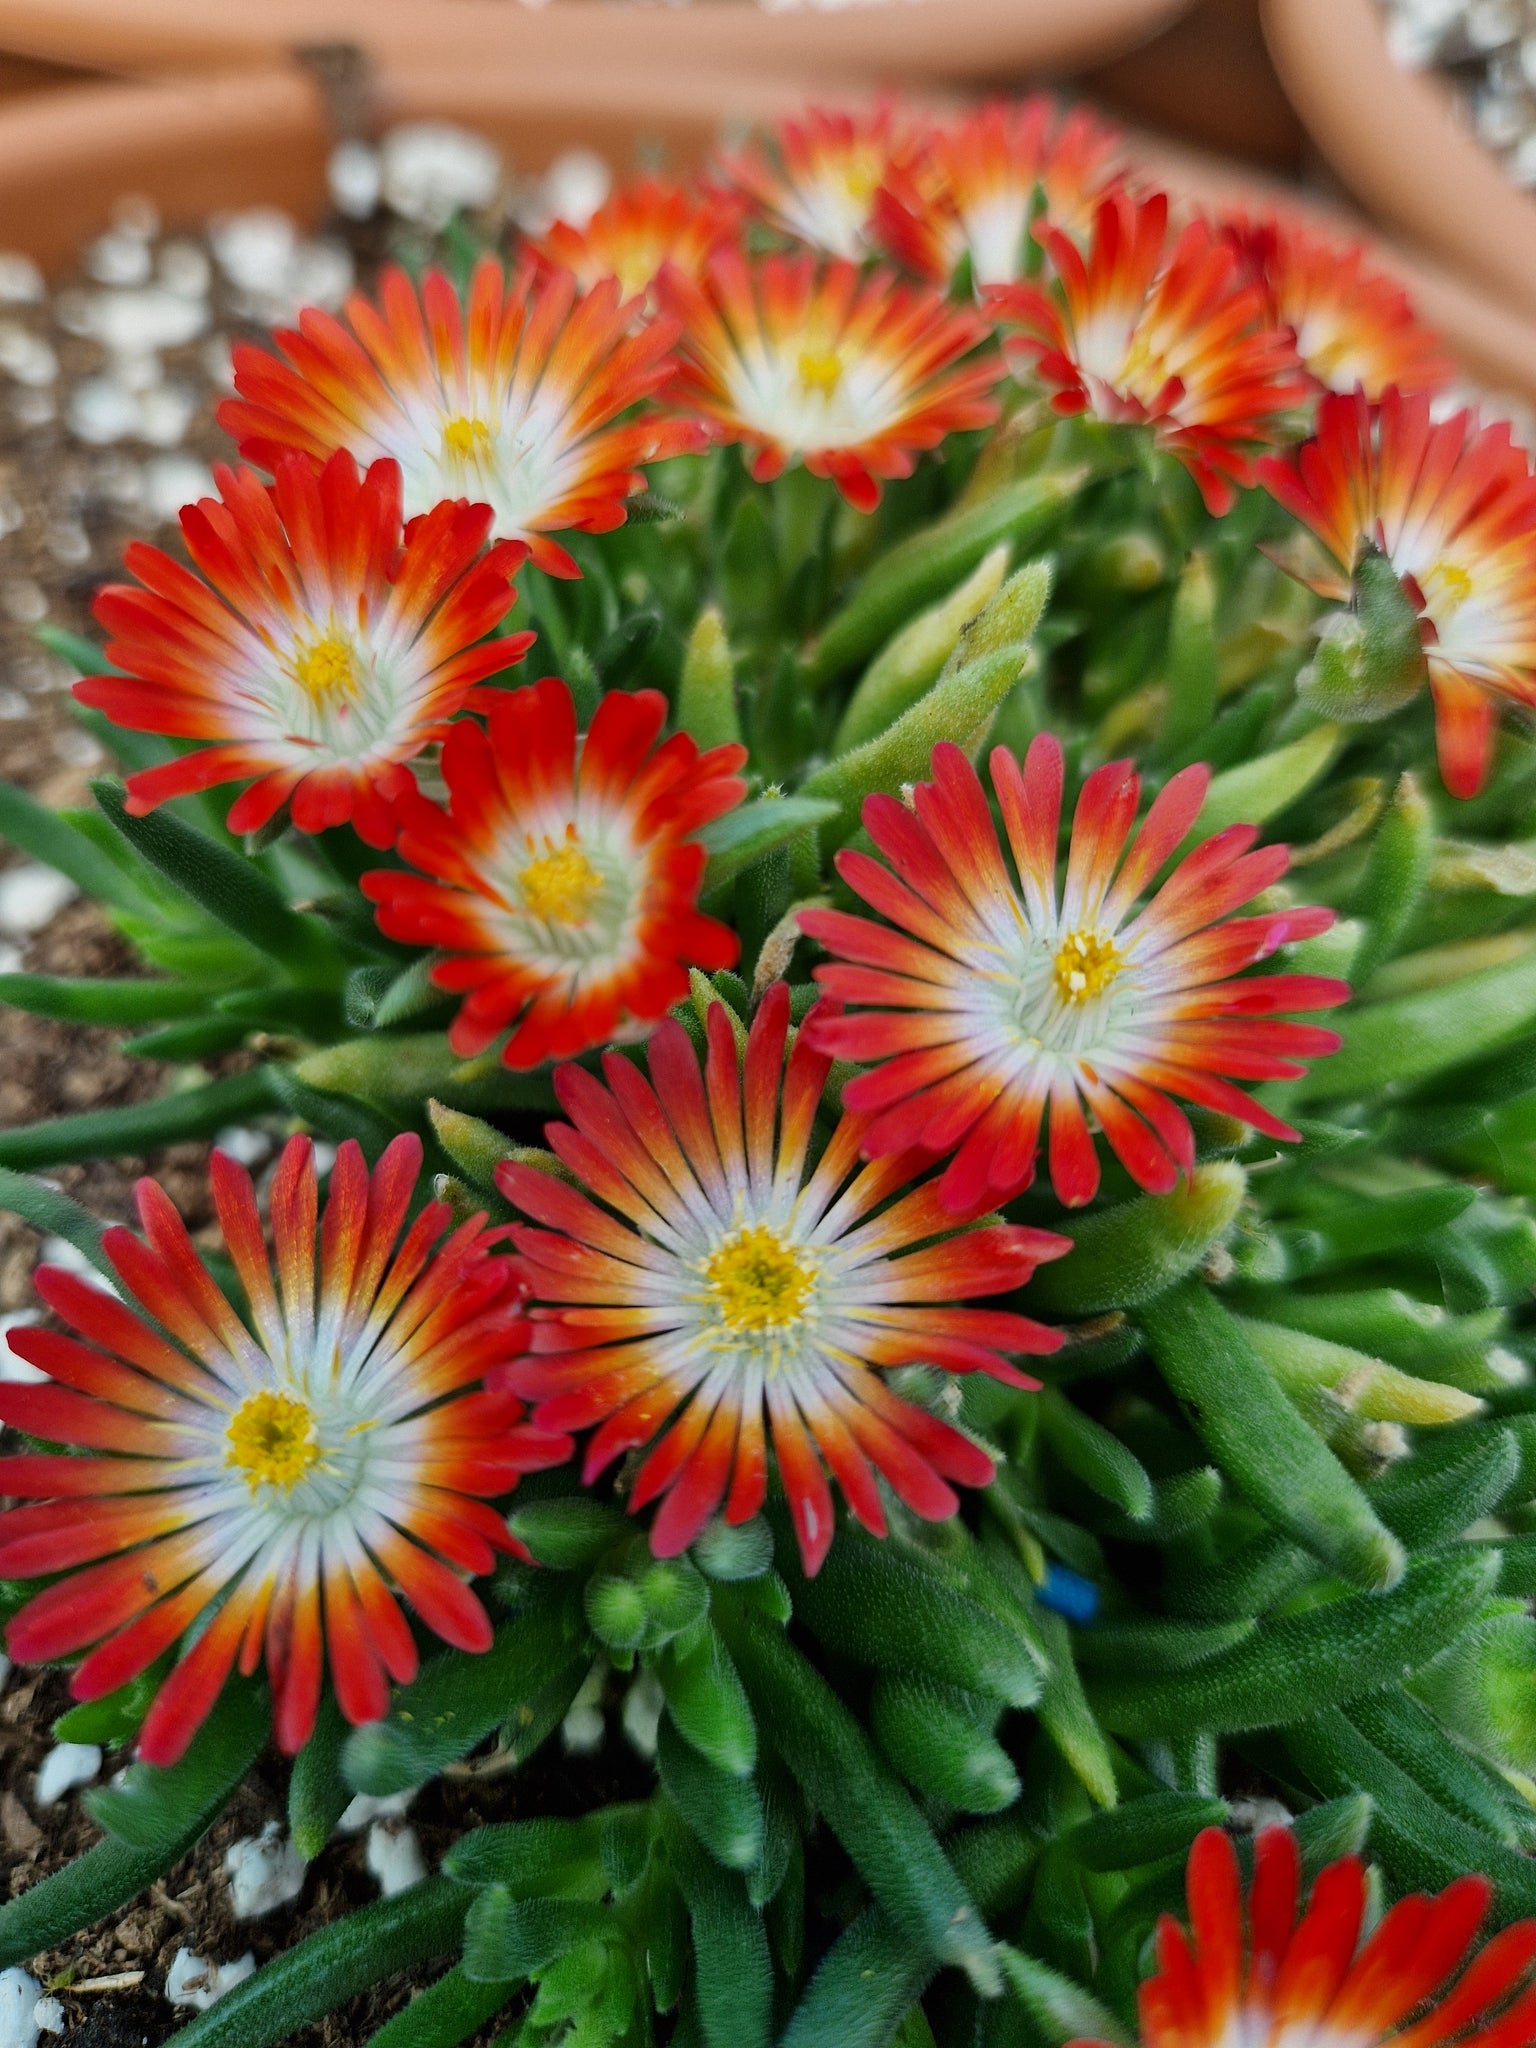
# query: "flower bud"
1370, 660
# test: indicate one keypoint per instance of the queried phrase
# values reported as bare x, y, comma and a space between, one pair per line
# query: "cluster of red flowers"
711, 1283
321, 653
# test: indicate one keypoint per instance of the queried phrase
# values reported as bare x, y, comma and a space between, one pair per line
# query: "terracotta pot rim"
1400, 148
902, 39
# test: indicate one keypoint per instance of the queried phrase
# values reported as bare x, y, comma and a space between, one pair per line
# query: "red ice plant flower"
561, 881
1452, 505
1351, 325
317, 650
1165, 333
979, 187
850, 372
1315, 1979
328, 1457
1002, 1009
512, 397
818, 179
642, 228
707, 1270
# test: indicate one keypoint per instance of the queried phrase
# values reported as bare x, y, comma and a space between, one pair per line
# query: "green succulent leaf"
318, 1792
530, 1859
919, 570
1420, 1842
1256, 1435
724, 1811
234, 892
1144, 1830
508, 1938
1061, 2010
360, 1949
861, 1604
707, 1702
733, 1971
1330, 1653
53, 1213
1126, 1256
140, 1127
941, 1741
863, 1987
51, 838
754, 829
448, 2011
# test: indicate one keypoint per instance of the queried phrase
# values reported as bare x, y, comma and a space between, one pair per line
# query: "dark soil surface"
191, 1907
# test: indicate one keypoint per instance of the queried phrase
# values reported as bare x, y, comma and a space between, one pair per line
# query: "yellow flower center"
1086, 963
1446, 588
328, 669
862, 174
559, 886
821, 369
757, 1281
466, 438
272, 1440
1143, 372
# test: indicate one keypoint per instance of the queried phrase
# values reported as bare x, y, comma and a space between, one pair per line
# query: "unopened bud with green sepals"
1370, 659
645, 1602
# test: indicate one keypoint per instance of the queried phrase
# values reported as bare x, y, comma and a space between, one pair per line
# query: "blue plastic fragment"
1068, 1594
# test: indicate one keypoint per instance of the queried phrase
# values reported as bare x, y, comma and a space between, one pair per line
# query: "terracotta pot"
198, 146
916, 39
1397, 141
1207, 79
